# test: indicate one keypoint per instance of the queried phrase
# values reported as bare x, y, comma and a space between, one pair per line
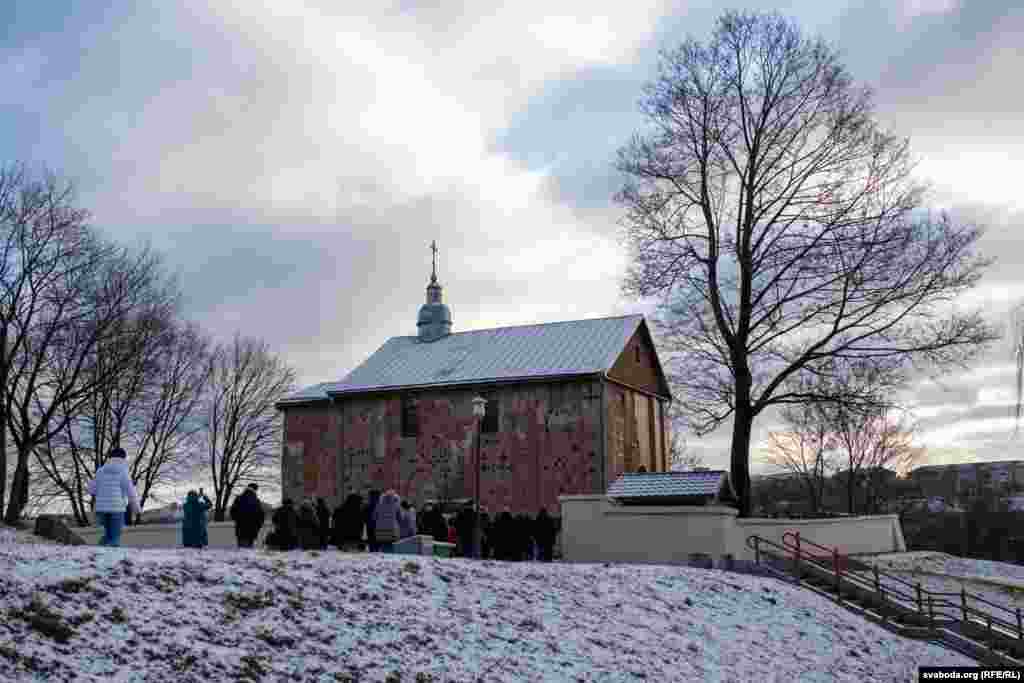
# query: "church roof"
575, 347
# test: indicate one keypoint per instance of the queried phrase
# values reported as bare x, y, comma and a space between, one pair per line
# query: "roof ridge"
509, 327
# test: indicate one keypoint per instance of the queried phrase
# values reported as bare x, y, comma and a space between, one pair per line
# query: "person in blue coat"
193, 525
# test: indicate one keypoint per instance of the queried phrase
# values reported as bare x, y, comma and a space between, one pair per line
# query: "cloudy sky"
293, 160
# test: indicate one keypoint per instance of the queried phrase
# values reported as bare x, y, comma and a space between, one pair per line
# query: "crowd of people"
384, 520
376, 524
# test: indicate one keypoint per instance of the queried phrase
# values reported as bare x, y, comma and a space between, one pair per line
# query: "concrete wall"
596, 530
851, 535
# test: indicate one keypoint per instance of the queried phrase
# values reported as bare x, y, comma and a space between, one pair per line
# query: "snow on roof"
575, 347
120, 614
666, 486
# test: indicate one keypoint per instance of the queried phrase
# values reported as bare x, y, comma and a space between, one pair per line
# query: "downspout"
604, 434
343, 468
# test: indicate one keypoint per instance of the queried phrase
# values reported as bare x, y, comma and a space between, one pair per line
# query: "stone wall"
547, 444
596, 530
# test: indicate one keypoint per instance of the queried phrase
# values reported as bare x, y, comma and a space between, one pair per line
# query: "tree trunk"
740, 456
3, 458
19, 490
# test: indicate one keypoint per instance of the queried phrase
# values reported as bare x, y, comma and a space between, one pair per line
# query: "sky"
293, 161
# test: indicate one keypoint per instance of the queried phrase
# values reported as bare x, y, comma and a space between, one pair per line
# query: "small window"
491, 416
636, 350
410, 419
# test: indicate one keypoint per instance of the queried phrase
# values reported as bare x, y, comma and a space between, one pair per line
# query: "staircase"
990, 633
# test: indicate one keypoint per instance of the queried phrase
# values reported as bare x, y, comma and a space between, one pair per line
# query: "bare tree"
681, 458
95, 306
150, 408
782, 230
166, 430
41, 231
241, 426
804, 449
874, 443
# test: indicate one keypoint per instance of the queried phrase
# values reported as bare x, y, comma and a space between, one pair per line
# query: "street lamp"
479, 409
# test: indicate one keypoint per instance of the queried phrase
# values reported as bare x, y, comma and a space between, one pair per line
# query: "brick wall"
548, 443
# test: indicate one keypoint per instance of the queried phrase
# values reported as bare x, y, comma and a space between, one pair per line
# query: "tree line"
95, 352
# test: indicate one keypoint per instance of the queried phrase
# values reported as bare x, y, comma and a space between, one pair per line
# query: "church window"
636, 350
489, 425
410, 419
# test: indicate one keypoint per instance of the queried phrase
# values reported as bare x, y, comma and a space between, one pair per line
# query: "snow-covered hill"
97, 614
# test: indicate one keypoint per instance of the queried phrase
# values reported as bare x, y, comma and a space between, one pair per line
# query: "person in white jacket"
113, 490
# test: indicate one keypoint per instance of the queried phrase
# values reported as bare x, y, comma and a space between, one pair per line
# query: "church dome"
434, 321
435, 318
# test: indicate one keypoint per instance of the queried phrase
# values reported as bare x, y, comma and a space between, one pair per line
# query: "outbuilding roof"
575, 347
665, 487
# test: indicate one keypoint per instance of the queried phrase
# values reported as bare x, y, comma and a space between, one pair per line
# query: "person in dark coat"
347, 523
486, 541
324, 516
248, 516
307, 526
193, 524
434, 523
283, 537
501, 534
370, 519
465, 524
523, 537
544, 531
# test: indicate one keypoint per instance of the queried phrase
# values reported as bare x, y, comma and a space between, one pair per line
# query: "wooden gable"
638, 365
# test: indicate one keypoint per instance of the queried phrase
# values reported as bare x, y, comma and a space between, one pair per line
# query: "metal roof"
313, 393
664, 486
575, 347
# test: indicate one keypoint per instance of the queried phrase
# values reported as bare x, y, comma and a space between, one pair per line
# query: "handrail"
937, 602
796, 535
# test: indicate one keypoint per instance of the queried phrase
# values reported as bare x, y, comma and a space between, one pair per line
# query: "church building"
569, 407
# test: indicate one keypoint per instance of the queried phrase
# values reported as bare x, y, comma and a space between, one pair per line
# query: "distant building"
970, 479
570, 407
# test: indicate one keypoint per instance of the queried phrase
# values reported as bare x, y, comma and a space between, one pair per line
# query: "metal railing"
968, 612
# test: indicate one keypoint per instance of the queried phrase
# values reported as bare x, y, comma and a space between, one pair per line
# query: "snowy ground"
93, 614
1001, 583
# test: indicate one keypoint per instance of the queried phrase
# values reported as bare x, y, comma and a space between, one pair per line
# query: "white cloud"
963, 432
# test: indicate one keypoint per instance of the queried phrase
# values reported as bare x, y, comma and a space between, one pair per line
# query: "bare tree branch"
783, 231
241, 426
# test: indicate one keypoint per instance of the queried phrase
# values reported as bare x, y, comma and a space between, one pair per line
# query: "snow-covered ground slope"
1001, 583
96, 614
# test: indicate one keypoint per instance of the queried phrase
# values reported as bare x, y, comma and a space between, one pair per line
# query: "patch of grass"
72, 585
252, 668
248, 602
274, 640
41, 618
117, 615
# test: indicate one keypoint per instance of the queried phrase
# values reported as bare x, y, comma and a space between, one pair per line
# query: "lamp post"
479, 408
